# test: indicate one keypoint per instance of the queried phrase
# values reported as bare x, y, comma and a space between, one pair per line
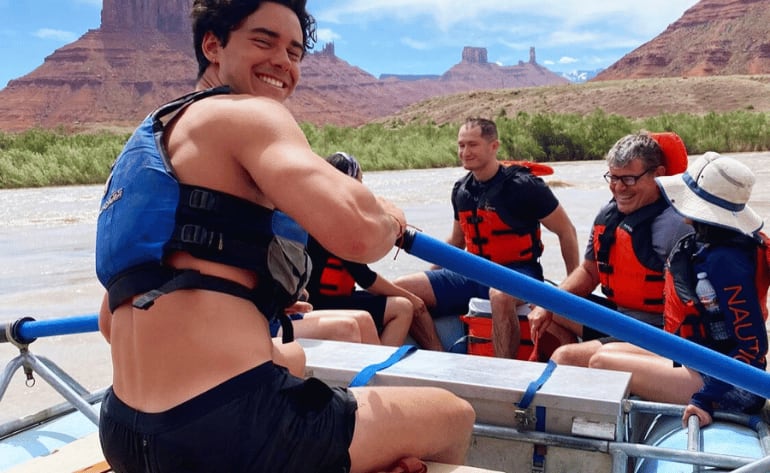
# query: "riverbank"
44, 158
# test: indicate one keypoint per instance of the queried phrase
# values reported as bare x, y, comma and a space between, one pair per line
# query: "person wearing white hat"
727, 250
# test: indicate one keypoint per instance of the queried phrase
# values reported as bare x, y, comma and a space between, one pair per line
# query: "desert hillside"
634, 98
713, 37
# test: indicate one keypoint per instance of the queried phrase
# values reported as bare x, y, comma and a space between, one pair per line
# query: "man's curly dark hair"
223, 16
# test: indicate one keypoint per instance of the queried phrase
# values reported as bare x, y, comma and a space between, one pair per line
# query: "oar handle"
588, 313
26, 330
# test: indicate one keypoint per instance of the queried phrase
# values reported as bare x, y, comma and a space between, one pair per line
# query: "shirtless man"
195, 270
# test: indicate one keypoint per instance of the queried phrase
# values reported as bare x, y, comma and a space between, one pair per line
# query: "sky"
398, 36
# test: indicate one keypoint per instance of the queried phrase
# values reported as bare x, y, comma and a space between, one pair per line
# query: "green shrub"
53, 157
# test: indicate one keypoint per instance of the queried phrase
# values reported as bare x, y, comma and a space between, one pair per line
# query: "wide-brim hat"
715, 190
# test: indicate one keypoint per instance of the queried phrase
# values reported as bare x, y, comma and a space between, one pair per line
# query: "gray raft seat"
578, 402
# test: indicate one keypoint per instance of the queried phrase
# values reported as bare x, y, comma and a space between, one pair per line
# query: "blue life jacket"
146, 214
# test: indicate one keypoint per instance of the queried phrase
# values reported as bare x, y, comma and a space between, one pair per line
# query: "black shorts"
262, 420
359, 300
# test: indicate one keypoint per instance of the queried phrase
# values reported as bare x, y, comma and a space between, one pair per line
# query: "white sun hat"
714, 190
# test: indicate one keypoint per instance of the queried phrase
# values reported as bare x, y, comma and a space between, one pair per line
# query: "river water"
47, 243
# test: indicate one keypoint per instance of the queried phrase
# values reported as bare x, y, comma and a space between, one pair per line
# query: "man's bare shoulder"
240, 121
242, 106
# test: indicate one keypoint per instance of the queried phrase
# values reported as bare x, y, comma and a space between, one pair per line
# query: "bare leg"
366, 325
506, 333
576, 354
653, 377
396, 422
397, 320
423, 329
354, 326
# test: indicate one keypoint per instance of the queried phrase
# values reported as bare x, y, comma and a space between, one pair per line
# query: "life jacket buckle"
605, 268
200, 236
201, 199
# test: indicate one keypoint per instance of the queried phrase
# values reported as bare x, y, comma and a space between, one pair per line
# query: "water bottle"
708, 297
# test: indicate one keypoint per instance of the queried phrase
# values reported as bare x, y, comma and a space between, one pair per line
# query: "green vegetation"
52, 157
39, 158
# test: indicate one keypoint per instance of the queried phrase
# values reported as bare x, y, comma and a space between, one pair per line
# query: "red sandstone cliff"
714, 37
142, 55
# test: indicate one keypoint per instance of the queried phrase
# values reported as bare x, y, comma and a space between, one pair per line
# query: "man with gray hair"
630, 240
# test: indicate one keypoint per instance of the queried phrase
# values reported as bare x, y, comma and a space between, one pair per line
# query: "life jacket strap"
166, 280
192, 279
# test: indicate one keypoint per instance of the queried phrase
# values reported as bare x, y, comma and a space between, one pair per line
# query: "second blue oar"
588, 313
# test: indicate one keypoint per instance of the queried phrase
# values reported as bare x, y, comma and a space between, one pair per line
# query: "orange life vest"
486, 235
335, 279
494, 233
630, 271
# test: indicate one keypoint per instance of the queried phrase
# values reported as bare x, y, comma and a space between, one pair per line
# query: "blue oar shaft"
588, 313
27, 330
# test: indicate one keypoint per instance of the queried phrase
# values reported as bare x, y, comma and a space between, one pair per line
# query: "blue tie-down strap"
538, 451
535, 385
363, 376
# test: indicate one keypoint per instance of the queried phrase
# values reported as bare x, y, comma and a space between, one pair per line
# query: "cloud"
56, 35
450, 13
567, 60
575, 29
546, 23
327, 35
416, 44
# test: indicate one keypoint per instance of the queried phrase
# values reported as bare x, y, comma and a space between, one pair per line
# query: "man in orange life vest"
631, 237
497, 214
728, 250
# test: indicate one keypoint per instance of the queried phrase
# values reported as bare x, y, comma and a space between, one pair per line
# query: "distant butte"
142, 56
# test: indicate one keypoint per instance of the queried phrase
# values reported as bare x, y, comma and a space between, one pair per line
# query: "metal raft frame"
621, 452
21, 333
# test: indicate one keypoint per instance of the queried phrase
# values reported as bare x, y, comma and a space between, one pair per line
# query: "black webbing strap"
192, 279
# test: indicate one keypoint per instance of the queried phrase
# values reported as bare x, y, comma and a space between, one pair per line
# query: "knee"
348, 330
561, 356
364, 321
600, 359
401, 307
501, 301
467, 415
596, 361
461, 411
